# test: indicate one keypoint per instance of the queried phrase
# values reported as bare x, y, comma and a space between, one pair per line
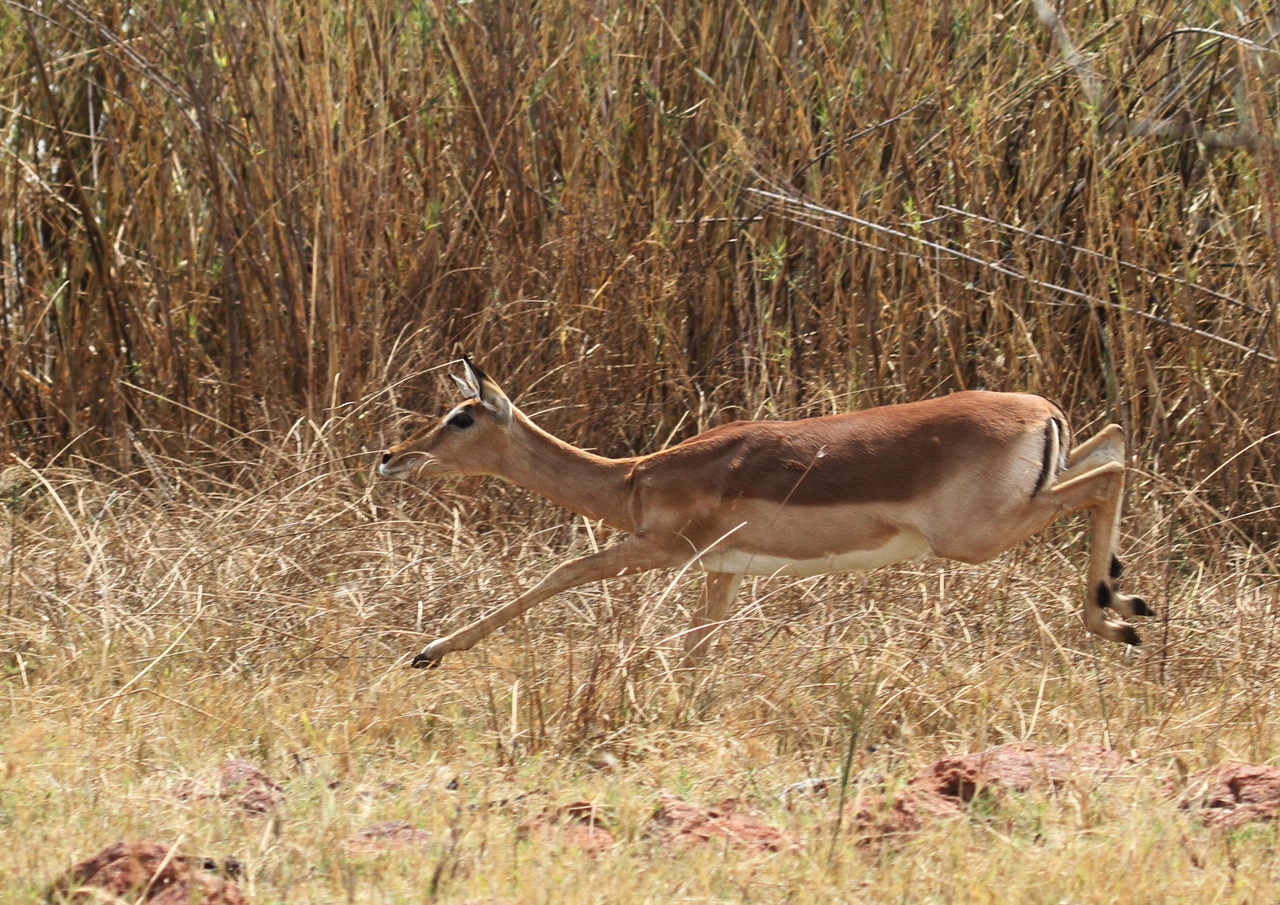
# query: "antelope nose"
386, 457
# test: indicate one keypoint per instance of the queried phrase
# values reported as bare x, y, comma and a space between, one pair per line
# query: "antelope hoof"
1131, 606
1129, 635
1123, 604
1122, 632
429, 657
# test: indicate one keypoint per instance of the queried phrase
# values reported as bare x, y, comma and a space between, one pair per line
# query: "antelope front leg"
635, 554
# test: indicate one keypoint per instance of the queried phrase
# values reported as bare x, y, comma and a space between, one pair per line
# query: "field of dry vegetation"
238, 240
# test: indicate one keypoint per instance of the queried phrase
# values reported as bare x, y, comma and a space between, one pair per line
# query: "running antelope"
965, 477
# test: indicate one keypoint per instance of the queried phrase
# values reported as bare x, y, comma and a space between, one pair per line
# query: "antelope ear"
489, 393
469, 390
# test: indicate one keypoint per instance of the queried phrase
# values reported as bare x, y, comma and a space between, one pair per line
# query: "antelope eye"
461, 420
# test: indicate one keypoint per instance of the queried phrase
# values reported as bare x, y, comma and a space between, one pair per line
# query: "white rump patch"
906, 544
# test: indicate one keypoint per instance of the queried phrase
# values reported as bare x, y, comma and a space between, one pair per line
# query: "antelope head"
470, 439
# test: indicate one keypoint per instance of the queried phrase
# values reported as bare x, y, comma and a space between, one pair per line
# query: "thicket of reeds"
219, 219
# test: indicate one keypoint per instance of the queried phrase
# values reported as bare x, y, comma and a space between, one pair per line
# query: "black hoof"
1130, 636
1140, 607
425, 660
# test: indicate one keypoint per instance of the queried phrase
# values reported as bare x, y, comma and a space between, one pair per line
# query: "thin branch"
1089, 80
791, 205
1088, 252
1238, 137
1213, 32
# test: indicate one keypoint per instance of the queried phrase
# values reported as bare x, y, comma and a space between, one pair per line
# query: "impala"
965, 477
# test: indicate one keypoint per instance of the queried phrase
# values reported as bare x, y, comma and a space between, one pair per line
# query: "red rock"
577, 823
1020, 766
237, 782
1234, 793
943, 789
386, 835
144, 872
679, 821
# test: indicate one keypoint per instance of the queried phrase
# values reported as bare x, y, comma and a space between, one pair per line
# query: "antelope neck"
590, 485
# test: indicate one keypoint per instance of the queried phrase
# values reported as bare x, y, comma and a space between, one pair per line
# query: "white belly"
906, 544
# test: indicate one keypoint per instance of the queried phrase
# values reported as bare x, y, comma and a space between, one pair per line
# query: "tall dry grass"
218, 218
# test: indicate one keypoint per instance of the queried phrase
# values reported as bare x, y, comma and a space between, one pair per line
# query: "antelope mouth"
404, 464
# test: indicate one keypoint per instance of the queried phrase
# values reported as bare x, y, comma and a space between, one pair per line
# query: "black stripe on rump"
1052, 443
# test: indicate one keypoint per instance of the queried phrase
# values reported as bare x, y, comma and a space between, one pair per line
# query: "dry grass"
235, 237
151, 635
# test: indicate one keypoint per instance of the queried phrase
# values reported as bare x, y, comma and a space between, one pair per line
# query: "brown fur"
888, 454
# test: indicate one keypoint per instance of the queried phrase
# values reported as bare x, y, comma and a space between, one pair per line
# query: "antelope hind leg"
1100, 491
1107, 445
717, 593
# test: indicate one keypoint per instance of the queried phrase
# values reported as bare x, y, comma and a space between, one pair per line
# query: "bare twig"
1089, 80
788, 204
1146, 271
1239, 137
